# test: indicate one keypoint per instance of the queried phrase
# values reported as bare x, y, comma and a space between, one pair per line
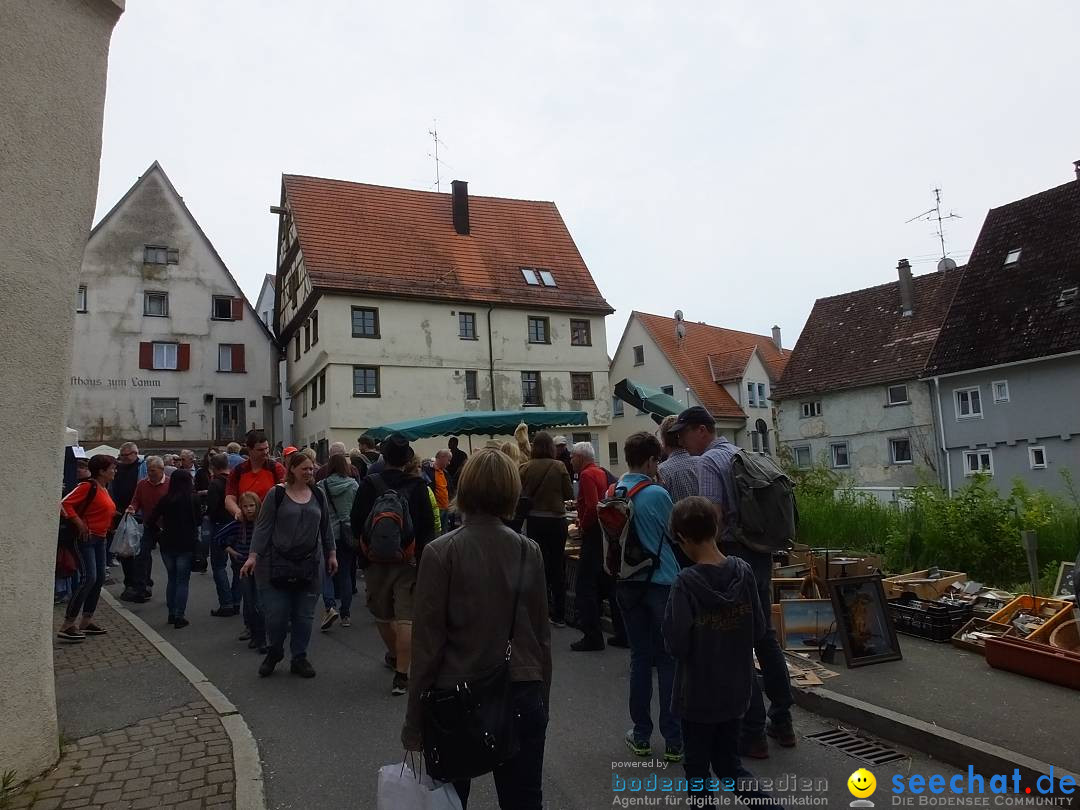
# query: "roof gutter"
491, 357
1008, 365
941, 427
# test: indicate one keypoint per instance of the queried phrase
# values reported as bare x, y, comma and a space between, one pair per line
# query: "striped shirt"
718, 484
679, 475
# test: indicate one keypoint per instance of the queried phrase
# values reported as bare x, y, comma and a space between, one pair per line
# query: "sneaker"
346, 621
71, 636
401, 683
673, 753
252, 644
93, 630
640, 747
783, 733
180, 622
586, 644
172, 619
128, 596
329, 618
754, 747
302, 667
619, 641
245, 636
390, 661
558, 623
223, 612
267, 666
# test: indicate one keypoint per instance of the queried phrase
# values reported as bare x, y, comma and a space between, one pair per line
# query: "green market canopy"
646, 398
469, 423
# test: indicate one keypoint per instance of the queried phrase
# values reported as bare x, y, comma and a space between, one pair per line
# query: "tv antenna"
935, 214
434, 133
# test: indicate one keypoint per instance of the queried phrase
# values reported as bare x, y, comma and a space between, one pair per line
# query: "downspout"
491, 358
941, 426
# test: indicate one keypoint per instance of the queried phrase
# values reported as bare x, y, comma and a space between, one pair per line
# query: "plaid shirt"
718, 484
679, 475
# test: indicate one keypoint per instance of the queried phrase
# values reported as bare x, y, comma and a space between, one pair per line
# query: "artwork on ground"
807, 622
1066, 581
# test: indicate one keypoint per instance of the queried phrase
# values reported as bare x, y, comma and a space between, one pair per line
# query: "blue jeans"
253, 615
288, 613
228, 594
91, 554
339, 588
717, 744
642, 605
774, 674
178, 566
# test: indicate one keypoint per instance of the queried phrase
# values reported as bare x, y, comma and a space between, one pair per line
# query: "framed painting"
1065, 586
862, 620
807, 623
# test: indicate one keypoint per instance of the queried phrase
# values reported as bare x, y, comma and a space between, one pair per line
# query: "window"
530, 276
1037, 458
531, 394
897, 395
365, 322
1001, 391
156, 304
322, 388
547, 278
80, 299
755, 441
639, 355
668, 389
314, 327
751, 395
315, 393
538, 330
472, 387
839, 453
222, 308
164, 412
158, 254
761, 430
580, 332
900, 451
307, 335
762, 402
810, 409
968, 403
1068, 296
303, 398
1012, 257
581, 385
803, 459
165, 356
467, 325
613, 452
978, 461
365, 381
616, 406
266, 318
296, 346
231, 357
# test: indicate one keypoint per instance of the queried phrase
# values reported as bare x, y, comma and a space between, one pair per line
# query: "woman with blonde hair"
477, 587
511, 450
521, 436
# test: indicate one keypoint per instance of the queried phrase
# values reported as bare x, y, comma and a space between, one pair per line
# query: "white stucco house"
396, 304
264, 306
167, 350
730, 373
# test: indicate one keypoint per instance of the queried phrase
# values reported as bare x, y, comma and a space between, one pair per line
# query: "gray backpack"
766, 497
388, 531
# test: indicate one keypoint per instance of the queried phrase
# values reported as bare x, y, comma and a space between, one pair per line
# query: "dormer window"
1012, 257
530, 276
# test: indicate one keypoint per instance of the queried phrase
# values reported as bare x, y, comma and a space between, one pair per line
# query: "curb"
247, 767
952, 747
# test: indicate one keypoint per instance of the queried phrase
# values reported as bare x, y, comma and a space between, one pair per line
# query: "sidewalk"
135, 732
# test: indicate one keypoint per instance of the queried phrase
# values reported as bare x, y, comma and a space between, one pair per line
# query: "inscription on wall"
133, 382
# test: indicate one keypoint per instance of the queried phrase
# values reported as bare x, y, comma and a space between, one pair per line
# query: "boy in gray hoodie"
712, 623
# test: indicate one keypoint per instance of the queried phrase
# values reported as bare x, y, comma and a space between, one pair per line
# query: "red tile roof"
693, 356
863, 338
361, 238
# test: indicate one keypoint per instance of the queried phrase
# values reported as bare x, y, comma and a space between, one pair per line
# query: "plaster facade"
264, 308
53, 62
127, 303
1038, 411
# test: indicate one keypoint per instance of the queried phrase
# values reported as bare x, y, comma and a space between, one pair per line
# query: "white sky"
734, 160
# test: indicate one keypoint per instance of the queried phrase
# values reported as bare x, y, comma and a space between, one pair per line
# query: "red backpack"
624, 553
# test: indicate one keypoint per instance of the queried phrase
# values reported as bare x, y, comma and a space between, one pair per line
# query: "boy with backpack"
712, 625
638, 553
392, 519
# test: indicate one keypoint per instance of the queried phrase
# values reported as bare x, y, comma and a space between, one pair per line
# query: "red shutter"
146, 354
183, 357
238, 357
238, 309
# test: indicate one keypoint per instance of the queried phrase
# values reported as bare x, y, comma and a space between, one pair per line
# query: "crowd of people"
462, 560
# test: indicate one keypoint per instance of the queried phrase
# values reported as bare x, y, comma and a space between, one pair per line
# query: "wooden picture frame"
1065, 587
807, 623
786, 588
862, 620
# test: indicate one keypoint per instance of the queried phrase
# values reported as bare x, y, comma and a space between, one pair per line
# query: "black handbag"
67, 536
295, 569
469, 729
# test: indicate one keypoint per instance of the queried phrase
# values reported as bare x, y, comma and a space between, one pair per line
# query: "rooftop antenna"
935, 214
434, 133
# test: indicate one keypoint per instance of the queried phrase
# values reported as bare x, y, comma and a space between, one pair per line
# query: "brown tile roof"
863, 338
728, 366
361, 238
1004, 314
691, 358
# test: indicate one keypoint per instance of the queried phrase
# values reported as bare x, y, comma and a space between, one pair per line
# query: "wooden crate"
917, 583
1055, 609
979, 624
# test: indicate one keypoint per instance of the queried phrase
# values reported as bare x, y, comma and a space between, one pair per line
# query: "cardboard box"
917, 583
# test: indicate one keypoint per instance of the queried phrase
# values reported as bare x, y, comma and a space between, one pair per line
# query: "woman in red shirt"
92, 518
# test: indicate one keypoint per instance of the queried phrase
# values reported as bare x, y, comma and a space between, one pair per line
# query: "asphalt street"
322, 741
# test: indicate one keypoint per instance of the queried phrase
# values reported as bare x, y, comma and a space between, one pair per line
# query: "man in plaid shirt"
679, 471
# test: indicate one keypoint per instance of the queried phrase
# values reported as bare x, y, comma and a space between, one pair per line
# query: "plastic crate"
930, 620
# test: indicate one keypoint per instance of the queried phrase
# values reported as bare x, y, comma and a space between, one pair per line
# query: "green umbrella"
646, 398
495, 423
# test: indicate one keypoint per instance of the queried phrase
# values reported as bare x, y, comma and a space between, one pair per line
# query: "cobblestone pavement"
122, 644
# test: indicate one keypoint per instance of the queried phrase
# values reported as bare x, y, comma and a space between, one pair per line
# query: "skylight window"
547, 278
1013, 256
530, 276
1068, 296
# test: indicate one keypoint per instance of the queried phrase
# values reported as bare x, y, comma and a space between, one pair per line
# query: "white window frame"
225, 357
530, 276
1013, 256
968, 472
762, 400
166, 349
892, 450
751, 395
994, 390
889, 395
809, 410
81, 299
847, 453
809, 457
165, 420
150, 294
214, 300
956, 403
1031, 457
546, 278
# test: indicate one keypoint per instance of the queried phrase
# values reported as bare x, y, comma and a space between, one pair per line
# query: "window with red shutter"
183, 357
146, 354
238, 358
238, 309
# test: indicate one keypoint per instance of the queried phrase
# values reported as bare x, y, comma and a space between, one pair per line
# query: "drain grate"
859, 747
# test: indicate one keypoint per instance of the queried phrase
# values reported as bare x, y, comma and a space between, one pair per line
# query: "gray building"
1005, 371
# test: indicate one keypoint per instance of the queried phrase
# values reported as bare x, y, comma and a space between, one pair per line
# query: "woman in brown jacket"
546, 483
464, 598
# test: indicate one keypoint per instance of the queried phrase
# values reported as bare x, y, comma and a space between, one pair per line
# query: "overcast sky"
734, 160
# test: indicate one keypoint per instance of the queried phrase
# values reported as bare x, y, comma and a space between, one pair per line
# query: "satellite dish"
945, 265
678, 315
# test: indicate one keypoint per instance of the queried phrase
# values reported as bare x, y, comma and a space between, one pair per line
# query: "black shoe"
302, 667
223, 612
390, 661
252, 644
180, 622
586, 644
401, 684
172, 619
128, 596
245, 636
619, 641
262, 650
268, 664
783, 733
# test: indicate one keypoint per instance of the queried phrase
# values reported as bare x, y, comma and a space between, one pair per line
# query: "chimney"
1076, 166
776, 339
907, 287
460, 194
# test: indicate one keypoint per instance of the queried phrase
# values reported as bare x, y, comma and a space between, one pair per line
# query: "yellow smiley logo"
861, 783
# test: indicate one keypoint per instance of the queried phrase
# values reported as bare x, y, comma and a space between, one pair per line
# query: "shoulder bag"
297, 568
67, 560
469, 729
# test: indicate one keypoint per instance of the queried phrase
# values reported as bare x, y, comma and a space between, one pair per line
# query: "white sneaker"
329, 619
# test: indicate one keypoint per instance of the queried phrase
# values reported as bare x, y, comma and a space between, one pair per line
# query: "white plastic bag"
127, 538
400, 789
